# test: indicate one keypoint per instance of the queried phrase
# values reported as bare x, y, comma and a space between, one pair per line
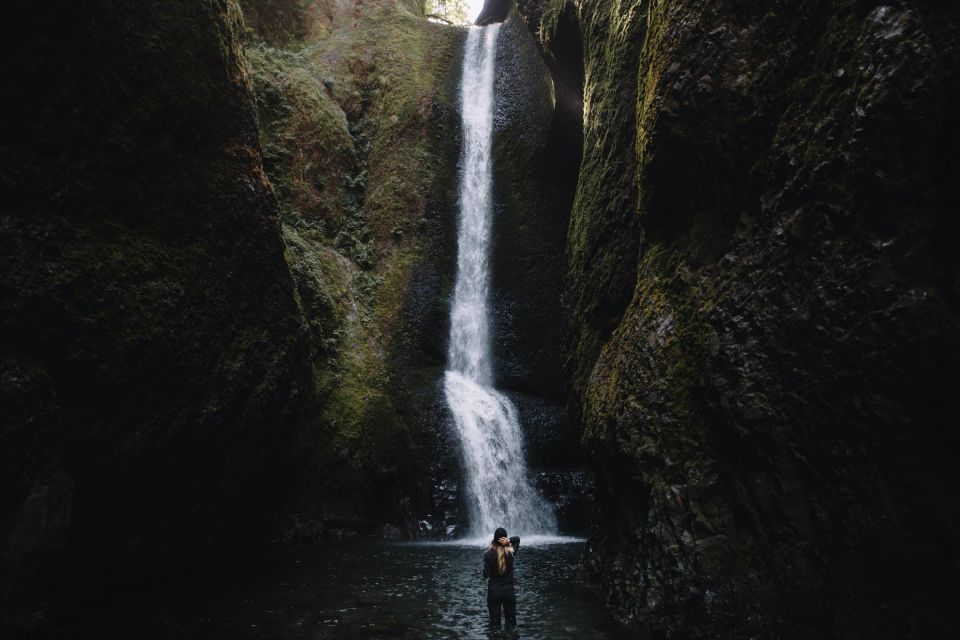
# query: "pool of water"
373, 590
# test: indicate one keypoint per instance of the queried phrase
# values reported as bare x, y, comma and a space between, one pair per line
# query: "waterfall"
498, 488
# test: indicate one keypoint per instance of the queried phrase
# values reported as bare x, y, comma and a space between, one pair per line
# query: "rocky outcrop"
534, 178
359, 118
494, 11
762, 282
530, 220
153, 355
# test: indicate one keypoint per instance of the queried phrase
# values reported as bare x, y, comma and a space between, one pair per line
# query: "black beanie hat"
499, 533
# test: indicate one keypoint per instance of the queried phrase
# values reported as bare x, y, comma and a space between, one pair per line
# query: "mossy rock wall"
762, 275
153, 355
360, 128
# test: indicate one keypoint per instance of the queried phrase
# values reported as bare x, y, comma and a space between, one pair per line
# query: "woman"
498, 569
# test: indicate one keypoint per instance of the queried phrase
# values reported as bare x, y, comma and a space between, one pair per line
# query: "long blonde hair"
502, 553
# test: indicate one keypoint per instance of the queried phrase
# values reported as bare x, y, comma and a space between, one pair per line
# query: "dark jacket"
495, 581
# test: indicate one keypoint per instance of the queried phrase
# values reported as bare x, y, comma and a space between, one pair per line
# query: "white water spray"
499, 490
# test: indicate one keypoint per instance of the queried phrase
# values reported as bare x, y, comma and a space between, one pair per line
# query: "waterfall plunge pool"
353, 590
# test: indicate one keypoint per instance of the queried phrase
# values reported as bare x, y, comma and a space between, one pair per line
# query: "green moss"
603, 237
732, 305
308, 152
346, 111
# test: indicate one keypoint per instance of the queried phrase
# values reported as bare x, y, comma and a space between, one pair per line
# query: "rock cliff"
225, 251
153, 355
358, 110
762, 285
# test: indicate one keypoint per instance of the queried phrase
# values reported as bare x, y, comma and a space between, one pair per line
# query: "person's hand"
504, 541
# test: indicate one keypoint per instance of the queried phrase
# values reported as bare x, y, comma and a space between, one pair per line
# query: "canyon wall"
762, 284
359, 118
153, 353
725, 229
225, 251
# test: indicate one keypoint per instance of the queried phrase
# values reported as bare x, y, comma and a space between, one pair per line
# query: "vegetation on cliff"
764, 319
357, 114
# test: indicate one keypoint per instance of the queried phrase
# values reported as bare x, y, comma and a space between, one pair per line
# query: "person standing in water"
498, 569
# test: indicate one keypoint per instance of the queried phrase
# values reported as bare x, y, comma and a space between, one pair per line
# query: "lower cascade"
498, 487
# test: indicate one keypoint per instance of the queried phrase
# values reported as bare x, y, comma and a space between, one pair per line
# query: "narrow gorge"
301, 299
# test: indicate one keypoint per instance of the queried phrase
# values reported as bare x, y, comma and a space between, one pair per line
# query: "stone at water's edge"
771, 416
761, 268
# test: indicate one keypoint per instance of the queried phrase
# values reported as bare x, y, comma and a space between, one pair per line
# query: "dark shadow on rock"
494, 11
550, 437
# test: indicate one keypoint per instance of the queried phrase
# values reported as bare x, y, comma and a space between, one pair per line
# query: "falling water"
498, 488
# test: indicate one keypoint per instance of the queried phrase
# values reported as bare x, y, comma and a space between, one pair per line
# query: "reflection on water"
408, 591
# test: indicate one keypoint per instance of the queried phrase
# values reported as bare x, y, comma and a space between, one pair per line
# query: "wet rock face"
549, 435
529, 223
152, 350
534, 177
494, 11
771, 413
573, 496
602, 235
